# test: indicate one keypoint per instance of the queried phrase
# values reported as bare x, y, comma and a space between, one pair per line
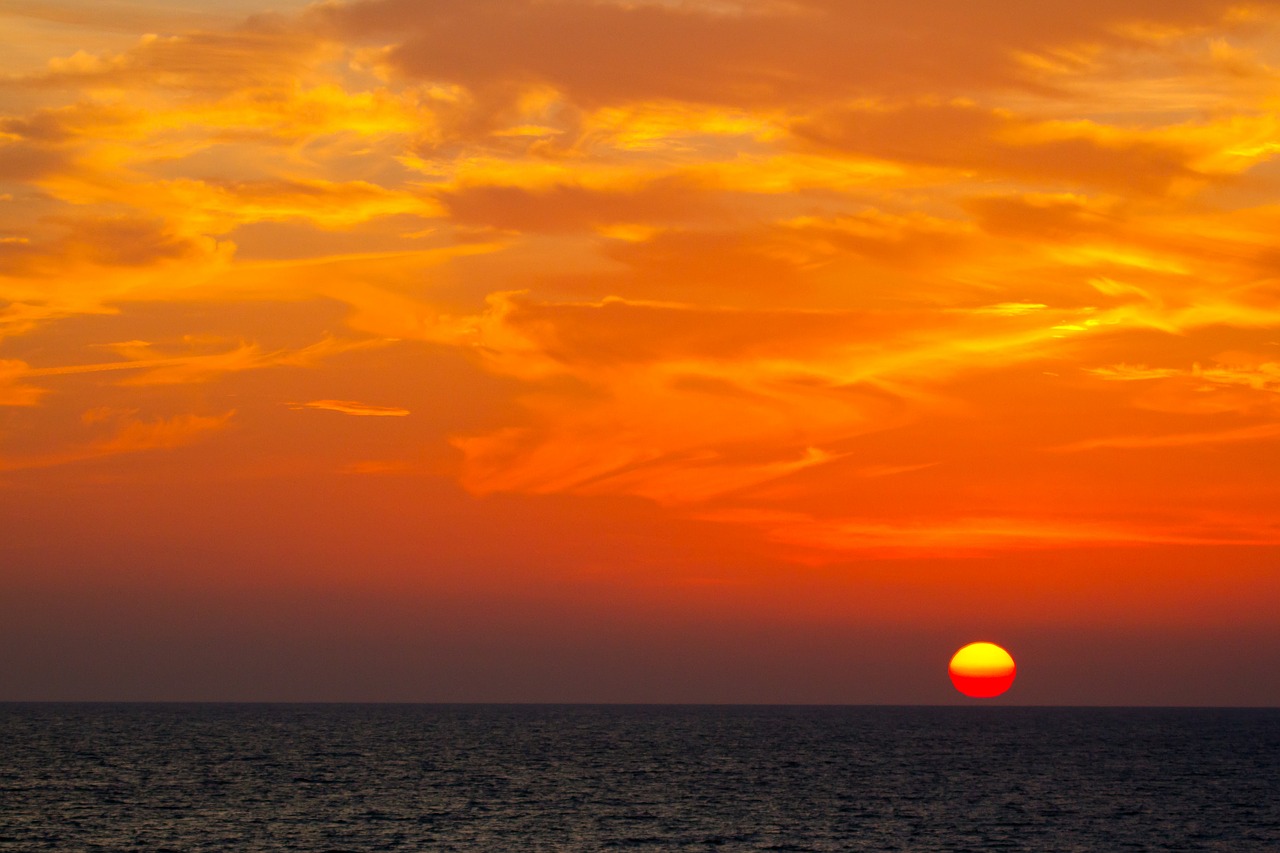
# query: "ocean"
116, 777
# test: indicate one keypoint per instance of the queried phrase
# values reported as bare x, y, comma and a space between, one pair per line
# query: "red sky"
593, 350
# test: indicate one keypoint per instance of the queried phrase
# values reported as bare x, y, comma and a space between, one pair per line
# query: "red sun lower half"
982, 670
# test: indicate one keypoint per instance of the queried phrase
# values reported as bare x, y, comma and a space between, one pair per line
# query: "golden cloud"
815, 245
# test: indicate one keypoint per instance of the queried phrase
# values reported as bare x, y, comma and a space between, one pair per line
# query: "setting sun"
982, 670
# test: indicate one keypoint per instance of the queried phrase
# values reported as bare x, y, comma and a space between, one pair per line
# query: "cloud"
218, 207
24, 161
731, 256
683, 403
569, 209
912, 240
158, 368
131, 436
12, 391
119, 241
1258, 432
349, 407
964, 137
603, 52
1233, 369
1239, 383
834, 539
259, 51
1059, 217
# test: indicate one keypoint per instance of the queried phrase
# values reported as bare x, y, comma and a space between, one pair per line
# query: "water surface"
584, 778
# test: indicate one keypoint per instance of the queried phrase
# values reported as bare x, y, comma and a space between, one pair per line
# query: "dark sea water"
568, 778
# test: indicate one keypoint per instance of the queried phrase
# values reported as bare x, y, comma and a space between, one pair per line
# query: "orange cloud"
159, 369
812, 241
965, 137
826, 539
12, 391
349, 407
567, 209
132, 436
1184, 439
211, 61
774, 52
113, 242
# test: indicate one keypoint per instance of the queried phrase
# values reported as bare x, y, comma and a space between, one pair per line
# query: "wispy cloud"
828, 539
350, 407
157, 368
1258, 432
131, 436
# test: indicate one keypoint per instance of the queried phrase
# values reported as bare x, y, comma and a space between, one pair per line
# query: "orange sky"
639, 350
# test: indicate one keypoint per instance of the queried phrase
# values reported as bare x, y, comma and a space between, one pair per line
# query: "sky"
639, 350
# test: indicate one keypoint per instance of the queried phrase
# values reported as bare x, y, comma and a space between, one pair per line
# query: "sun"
982, 670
